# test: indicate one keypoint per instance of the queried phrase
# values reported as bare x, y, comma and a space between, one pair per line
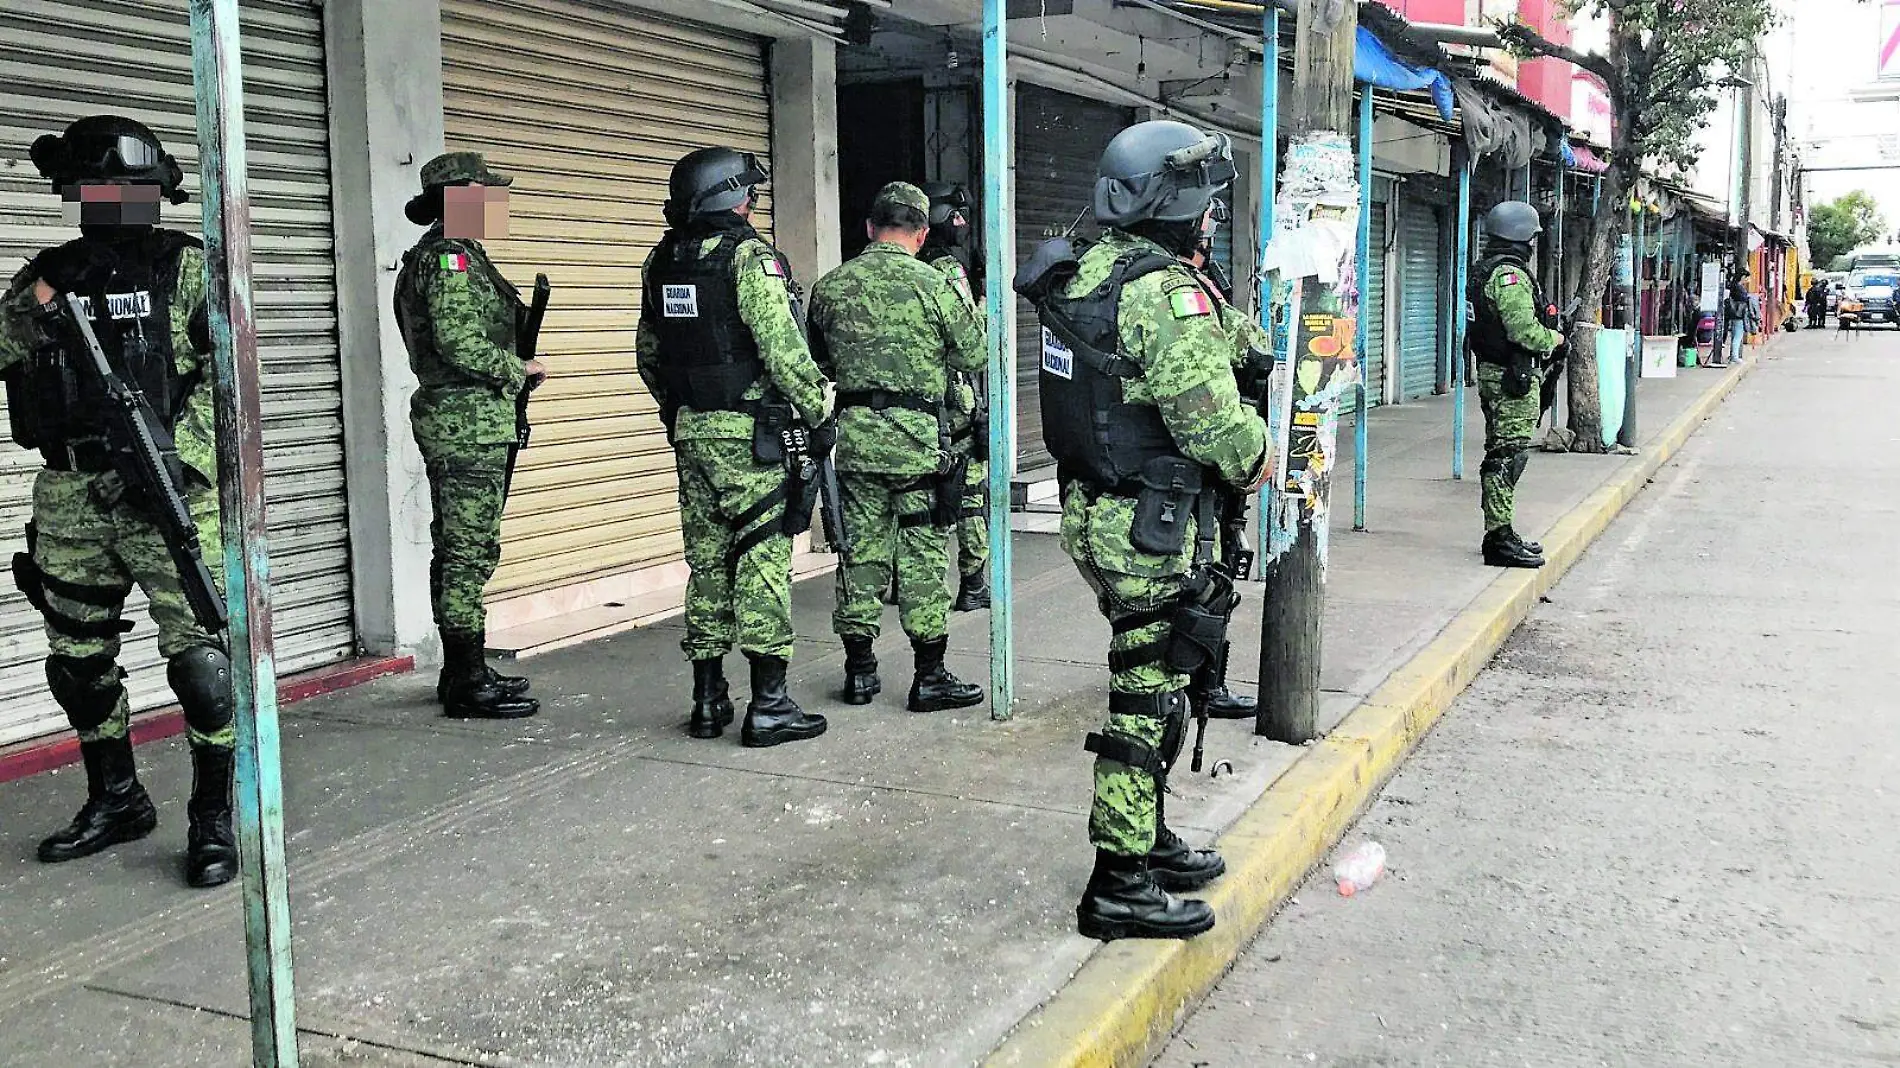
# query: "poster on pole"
1323, 370
1711, 296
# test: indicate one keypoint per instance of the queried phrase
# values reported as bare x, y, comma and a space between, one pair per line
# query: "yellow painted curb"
1126, 1000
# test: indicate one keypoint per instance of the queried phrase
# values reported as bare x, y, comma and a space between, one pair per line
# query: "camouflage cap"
903, 193
450, 168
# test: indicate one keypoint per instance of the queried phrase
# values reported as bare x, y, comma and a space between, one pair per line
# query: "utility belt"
946, 486
1519, 365
1167, 492
86, 455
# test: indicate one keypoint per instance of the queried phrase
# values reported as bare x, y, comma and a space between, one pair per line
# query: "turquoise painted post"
1269, 190
1459, 315
1362, 327
217, 78
999, 216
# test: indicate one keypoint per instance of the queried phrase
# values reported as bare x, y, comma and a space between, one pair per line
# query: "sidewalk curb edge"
1128, 997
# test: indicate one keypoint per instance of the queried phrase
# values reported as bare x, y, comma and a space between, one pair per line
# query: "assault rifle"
146, 458
527, 347
1554, 366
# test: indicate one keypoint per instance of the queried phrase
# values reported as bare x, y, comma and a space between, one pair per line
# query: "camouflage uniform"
1510, 421
1187, 372
973, 522
91, 536
726, 496
459, 317
92, 551
893, 328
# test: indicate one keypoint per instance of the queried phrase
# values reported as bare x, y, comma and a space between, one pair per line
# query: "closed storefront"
588, 108
1421, 281
1059, 143
1376, 308
63, 60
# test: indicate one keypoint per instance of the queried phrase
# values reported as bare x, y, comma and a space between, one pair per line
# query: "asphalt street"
1660, 829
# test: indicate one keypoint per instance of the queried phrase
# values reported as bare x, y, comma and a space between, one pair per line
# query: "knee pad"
1170, 708
1518, 462
201, 677
86, 688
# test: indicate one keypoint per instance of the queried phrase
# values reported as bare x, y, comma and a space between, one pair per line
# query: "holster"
946, 505
1519, 374
1198, 632
770, 420
980, 433
796, 447
1170, 488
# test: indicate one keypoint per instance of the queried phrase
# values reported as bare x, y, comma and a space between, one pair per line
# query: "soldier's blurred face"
475, 212
110, 204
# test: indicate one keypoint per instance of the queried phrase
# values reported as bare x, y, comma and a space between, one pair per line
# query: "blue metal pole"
999, 216
217, 78
1458, 317
1363, 326
1269, 191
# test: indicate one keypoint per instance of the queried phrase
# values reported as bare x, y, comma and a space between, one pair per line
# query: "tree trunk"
1606, 230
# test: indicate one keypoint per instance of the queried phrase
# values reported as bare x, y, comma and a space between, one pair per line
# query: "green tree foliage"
1841, 226
1665, 68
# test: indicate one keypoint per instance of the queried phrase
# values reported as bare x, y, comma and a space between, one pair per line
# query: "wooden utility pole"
1319, 191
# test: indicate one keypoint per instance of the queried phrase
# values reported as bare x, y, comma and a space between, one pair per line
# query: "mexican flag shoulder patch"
453, 261
1188, 302
773, 267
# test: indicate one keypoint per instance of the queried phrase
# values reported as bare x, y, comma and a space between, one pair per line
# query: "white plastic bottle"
1360, 868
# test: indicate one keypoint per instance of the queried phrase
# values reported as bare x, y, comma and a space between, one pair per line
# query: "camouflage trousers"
1136, 592
740, 589
973, 525
887, 522
466, 495
89, 553
1510, 424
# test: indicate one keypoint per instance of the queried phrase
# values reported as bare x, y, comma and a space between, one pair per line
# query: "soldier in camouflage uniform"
1141, 411
90, 538
459, 319
944, 249
1511, 341
892, 328
723, 353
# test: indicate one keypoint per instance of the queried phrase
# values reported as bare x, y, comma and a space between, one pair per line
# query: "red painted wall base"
37, 755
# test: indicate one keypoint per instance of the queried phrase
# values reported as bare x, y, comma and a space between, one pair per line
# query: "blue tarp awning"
1374, 64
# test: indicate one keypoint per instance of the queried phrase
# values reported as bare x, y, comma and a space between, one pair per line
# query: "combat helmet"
106, 148
1514, 221
711, 180
947, 199
1161, 170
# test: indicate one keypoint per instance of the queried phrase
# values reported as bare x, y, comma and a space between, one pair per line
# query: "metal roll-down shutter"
588, 108
61, 60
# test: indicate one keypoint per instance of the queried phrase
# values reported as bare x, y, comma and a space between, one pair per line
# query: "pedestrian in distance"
947, 250
723, 351
130, 294
1142, 412
894, 331
461, 321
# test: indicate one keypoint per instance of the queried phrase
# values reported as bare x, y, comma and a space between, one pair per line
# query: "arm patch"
1189, 302
771, 266
454, 262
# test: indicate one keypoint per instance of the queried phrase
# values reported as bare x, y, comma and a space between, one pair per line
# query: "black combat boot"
470, 694
712, 701
1123, 901
1172, 863
1501, 550
773, 718
861, 682
211, 857
1534, 548
1223, 703
117, 808
512, 685
935, 689
973, 592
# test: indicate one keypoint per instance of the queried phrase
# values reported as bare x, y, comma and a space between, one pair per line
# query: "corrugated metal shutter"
1376, 309
60, 61
588, 109
1420, 280
1059, 140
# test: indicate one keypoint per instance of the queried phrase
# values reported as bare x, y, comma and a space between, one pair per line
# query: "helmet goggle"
754, 173
1210, 163
1217, 216
113, 151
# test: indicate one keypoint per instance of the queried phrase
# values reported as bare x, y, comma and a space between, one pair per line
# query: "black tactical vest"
707, 354
1488, 339
1094, 434
55, 399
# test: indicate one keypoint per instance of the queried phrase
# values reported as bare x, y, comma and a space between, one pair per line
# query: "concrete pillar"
385, 89
805, 153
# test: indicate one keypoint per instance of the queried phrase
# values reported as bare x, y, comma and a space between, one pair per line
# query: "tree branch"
1521, 36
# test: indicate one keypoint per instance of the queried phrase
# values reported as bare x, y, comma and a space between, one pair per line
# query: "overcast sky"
1828, 49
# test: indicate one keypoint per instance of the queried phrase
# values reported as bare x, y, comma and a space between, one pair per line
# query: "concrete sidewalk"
592, 887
